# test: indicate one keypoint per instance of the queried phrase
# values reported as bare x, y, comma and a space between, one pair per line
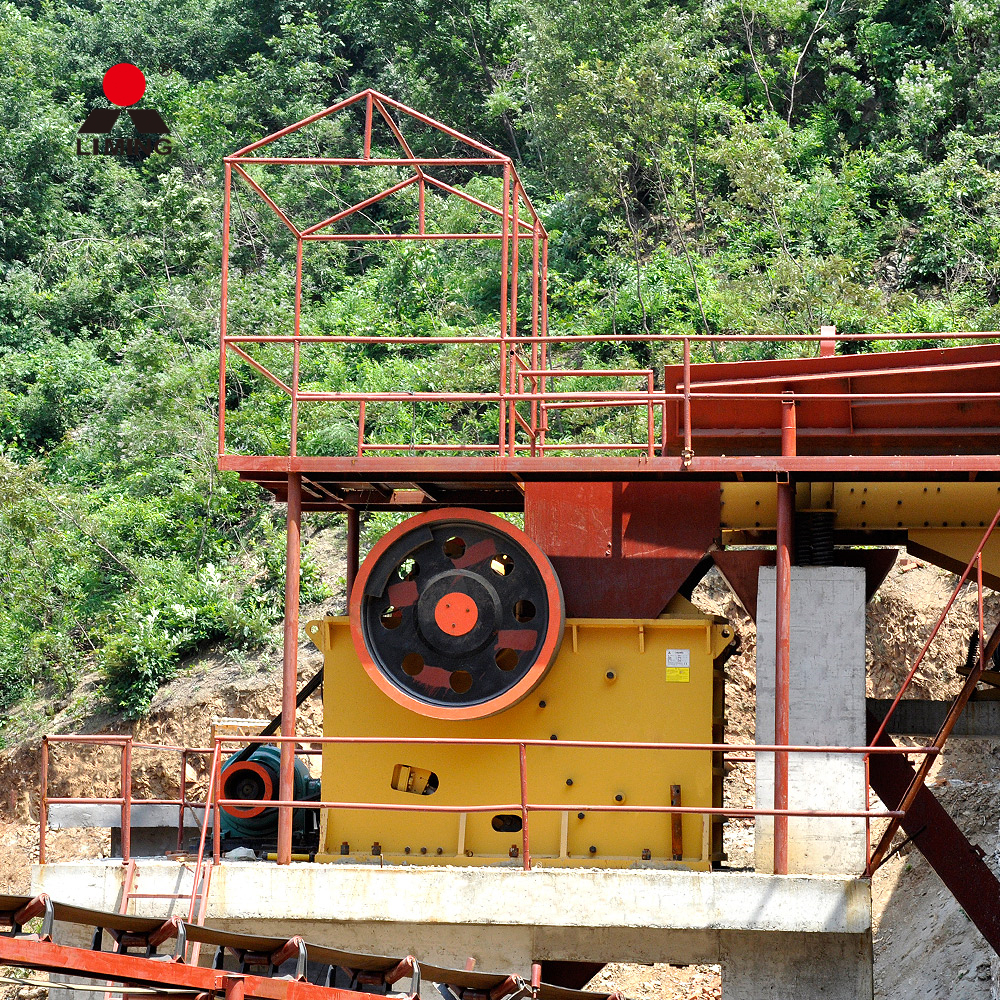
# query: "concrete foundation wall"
827, 707
784, 933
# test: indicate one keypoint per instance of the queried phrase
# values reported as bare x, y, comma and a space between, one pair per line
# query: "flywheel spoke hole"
454, 548
461, 681
408, 569
502, 564
391, 618
412, 664
507, 658
524, 611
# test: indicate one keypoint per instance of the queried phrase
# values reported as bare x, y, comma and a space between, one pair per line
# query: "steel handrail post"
544, 348
525, 843
868, 806
504, 254
688, 452
224, 308
534, 331
43, 804
214, 790
126, 761
651, 388
515, 275
183, 805
294, 418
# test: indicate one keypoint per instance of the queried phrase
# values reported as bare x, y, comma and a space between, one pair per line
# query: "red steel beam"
133, 970
959, 864
429, 468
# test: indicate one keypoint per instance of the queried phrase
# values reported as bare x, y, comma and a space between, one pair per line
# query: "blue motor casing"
257, 778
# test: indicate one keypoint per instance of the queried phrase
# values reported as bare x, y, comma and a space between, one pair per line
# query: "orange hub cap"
456, 614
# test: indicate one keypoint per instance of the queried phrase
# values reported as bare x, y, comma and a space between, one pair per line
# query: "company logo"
124, 84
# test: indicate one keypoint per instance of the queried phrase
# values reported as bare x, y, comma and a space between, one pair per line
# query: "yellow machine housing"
645, 681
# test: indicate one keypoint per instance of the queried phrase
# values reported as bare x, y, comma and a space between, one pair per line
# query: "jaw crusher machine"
458, 630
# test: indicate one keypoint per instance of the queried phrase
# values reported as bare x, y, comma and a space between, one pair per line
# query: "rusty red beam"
936, 835
361, 205
727, 338
447, 130
289, 225
133, 970
306, 338
389, 237
986, 651
492, 209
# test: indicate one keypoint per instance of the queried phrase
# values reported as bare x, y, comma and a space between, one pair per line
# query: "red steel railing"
125, 799
524, 399
214, 802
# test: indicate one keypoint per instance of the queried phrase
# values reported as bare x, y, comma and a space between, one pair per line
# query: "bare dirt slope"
926, 947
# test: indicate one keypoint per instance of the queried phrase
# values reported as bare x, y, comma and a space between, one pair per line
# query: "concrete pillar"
827, 699
789, 966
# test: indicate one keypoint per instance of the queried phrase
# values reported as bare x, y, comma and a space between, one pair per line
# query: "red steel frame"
525, 394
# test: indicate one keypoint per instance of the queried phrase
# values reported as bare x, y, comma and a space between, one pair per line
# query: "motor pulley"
456, 614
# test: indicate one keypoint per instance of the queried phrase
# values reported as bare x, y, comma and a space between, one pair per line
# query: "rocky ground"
925, 946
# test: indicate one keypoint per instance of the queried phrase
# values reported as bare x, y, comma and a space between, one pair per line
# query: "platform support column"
289, 677
782, 635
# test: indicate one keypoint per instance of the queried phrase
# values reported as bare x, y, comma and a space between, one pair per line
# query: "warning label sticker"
678, 666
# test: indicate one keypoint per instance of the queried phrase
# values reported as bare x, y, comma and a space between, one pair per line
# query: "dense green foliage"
747, 167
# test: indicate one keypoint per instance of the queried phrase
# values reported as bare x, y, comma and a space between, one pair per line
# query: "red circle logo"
124, 84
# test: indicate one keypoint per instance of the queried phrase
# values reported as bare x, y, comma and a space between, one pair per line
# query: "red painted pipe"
289, 679
782, 638
353, 549
43, 800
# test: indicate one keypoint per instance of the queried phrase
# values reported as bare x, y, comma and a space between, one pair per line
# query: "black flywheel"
456, 614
